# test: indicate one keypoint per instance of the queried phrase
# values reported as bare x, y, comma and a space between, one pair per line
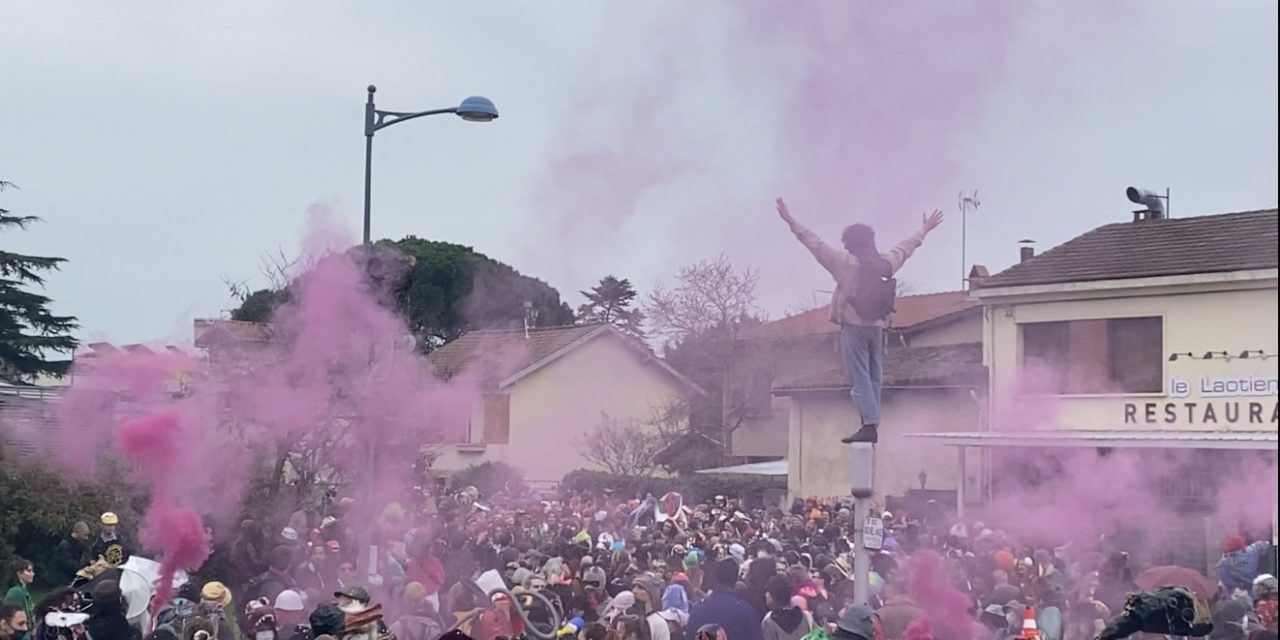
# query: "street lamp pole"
473, 109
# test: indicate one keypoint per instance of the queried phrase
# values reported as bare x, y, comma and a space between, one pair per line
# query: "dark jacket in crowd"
108, 623
70, 556
726, 609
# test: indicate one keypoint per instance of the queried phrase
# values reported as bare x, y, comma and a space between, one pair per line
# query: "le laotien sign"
1211, 401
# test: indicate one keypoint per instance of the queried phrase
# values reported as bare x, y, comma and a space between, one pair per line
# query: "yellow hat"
216, 592
110, 518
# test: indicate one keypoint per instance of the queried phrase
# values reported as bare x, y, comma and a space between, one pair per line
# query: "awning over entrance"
770, 468
1118, 439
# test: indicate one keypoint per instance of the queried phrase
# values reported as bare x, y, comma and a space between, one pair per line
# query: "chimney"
1027, 250
977, 275
530, 317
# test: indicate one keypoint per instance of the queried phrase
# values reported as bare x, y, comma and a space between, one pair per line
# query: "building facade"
934, 381
543, 391
1157, 336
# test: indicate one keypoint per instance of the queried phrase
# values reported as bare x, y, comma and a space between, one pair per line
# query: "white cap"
289, 534
289, 600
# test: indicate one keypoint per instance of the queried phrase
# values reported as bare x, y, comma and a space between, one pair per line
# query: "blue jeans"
862, 348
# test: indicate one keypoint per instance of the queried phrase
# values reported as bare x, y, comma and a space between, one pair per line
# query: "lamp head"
477, 109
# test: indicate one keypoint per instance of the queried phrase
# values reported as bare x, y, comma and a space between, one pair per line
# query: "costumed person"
671, 507
1170, 611
110, 544
1264, 600
217, 607
1239, 564
862, 303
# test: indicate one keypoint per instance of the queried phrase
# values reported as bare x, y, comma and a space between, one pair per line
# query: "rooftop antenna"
966, 203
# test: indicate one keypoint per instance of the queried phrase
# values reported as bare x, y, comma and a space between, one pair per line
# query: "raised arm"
903, 250
829, 257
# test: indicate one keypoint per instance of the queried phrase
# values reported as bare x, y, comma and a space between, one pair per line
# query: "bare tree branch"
628, 447
707, 294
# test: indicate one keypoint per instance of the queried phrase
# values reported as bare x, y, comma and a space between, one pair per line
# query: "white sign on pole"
873, 533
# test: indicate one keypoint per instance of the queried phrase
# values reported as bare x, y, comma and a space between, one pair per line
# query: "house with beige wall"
543, 390
934, 381
1154, 333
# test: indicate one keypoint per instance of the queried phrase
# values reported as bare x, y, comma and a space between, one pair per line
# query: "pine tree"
610, 302
29, 332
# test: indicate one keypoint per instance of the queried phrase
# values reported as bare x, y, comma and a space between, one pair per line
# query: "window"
497, 418
1115, 355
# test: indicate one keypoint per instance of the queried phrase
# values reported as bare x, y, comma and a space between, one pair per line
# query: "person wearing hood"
647, 589
1239, 564
898, 612
723, 607
784, 621
859, 622
106, 619
618, 606
675, 609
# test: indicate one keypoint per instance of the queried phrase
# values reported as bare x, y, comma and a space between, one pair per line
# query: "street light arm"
384, 119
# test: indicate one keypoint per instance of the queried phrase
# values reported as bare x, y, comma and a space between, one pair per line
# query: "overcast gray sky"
167, 144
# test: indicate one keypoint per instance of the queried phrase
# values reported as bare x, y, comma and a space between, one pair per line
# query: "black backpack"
877, 289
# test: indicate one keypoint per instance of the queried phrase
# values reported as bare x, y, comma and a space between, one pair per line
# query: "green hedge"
695, 488
38, 508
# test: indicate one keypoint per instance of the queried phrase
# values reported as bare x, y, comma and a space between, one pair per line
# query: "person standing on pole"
862, 303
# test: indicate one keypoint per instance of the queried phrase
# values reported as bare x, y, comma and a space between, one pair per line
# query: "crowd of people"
600, 567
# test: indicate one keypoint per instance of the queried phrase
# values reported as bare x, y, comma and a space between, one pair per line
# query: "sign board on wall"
1212, 401
873, 533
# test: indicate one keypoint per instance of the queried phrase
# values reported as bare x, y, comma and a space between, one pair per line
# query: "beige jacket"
843, 267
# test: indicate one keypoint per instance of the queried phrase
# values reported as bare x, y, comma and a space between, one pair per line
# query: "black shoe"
869, 433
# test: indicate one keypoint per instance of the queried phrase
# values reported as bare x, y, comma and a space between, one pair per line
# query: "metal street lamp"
473, 109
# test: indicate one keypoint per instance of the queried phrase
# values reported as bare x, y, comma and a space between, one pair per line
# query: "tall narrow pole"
370, 559
369, 121
965, 202
861, 555
862, 464
964, 245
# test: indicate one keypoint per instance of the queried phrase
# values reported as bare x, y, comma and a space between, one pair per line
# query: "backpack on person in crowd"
818, 633
177, 616
877, 289
217, 618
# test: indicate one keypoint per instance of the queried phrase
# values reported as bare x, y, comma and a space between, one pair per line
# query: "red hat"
1234, 543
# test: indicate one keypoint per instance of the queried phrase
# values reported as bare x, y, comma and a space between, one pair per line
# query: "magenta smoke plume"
152, 444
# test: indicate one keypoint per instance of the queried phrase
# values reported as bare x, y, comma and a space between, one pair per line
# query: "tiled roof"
959, 364
1151, 248
211, 331
498, 354
911, 311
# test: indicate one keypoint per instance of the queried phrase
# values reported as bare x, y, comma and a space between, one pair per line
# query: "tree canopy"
609, 302
30, 334
443, 291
